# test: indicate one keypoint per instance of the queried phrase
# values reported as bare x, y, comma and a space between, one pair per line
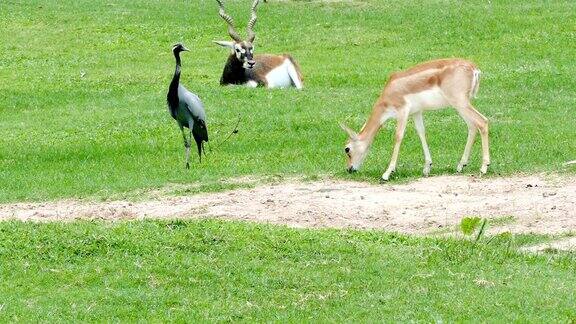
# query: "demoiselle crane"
187, 109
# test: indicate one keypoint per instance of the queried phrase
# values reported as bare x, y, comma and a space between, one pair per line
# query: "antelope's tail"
295, 73
475, 83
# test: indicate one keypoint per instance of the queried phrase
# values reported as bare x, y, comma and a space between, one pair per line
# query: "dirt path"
568, 244
540, 204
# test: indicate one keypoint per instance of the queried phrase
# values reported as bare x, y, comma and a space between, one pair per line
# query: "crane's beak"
185, 49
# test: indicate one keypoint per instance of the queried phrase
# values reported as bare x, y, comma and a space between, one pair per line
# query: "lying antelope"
428, 86
242, 67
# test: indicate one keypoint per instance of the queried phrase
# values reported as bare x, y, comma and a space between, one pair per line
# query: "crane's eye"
347, 150
237, 51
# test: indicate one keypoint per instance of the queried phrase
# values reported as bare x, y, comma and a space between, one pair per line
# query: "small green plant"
471, 225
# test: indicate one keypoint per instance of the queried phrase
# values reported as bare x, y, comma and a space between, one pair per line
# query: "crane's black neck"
235, 73
176, 77
173, 90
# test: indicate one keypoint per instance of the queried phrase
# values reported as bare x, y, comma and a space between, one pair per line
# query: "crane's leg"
187, 146
419, 125
199, 145
402, 119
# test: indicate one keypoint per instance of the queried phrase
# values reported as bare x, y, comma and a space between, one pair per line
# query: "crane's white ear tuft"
228, 44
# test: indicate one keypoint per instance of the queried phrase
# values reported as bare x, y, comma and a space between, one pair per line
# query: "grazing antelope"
427, 86
245, 68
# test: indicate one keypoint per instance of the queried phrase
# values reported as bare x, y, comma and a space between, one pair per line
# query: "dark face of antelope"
244, 52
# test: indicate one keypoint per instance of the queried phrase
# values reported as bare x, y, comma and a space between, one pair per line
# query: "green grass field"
83, 108
83, 115
207, 271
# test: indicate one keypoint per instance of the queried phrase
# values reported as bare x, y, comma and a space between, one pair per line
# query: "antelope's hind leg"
458, 90
476, 122
472, 130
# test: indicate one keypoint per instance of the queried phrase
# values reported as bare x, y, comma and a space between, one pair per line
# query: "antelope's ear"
227, 44
352, 134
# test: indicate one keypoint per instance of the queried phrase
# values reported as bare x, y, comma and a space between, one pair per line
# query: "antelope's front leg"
421, 130
399, 135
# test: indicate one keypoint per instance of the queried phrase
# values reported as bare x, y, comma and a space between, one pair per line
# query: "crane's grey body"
187, 109
190, 107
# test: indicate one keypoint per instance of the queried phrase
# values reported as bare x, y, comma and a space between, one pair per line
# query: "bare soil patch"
539, 204
567, 244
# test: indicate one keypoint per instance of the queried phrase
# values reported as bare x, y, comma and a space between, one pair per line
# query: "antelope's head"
355, 149
242, 49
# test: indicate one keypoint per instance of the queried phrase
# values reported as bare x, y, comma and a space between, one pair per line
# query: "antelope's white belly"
426, 100
279, 76
252, 84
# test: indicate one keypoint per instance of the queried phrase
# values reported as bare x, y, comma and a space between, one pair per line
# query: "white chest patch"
391, 113
279, 76
426, 100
